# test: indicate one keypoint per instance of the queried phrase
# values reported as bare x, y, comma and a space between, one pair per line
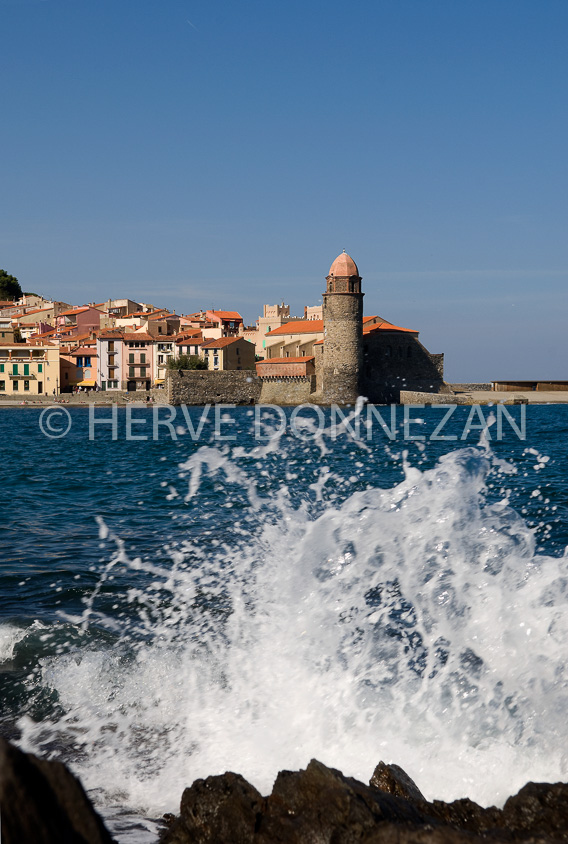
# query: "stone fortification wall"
200, 387
417, 397
286, 391
342, 314
397, 361
470, 388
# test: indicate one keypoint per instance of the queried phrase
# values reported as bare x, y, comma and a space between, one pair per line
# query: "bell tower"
343, 332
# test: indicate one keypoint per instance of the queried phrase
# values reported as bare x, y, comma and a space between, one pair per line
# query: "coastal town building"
28, 370
137, 361
228, 353
110, 360
78, 367
85, 318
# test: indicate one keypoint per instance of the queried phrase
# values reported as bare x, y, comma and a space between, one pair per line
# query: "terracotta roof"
191, 340
7, 304
387, 326
344, 265
369, 318
299, 326
111, 334
164, 315
287, 360
227, 314
146, 313
222, 342
82, 350
80, 310
33, 311
132, 337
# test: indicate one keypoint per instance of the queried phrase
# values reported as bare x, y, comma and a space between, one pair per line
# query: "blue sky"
198, 154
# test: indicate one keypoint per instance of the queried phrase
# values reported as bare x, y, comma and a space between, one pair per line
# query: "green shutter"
40, 367
26, 369
1, 367
14, 369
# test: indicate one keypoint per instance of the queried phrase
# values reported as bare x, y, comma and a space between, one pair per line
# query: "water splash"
415, 624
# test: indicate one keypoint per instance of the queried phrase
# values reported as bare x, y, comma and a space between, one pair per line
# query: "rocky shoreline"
43, 803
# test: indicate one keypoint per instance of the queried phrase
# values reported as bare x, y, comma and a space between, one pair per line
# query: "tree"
10, 289
187, 362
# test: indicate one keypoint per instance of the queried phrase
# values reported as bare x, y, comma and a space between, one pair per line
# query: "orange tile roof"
82, 350
222, 342
80, 310
368, 318
226, 314
299, 326
111, 334
287, 360
387, 326
132, 337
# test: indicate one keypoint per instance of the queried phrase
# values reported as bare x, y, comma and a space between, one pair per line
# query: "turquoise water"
176, 607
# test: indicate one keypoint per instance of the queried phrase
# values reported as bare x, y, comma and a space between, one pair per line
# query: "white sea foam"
10, 635
416, 625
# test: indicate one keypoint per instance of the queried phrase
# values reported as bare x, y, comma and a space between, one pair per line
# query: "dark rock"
538, 809
219, 809
43, 803
394, 780
322, 806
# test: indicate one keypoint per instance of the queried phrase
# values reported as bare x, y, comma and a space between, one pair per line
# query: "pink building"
138, 363
80, 320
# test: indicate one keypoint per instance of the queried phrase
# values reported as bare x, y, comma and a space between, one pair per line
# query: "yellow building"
29, 370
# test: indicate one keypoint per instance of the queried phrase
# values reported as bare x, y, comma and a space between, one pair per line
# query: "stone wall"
288, 391
416, 397
395, 362
199, 387
470, 388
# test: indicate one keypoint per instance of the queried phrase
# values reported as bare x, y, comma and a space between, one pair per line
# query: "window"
131, 372
14, 369
40, 386
40, 367
2, 386
79, 360
1, 367
142, 358
15, 386
26, 386
111, 346
142, 372
131, 358
160, 358
27, 370
87, 361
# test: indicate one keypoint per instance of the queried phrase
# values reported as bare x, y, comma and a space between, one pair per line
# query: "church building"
356, 356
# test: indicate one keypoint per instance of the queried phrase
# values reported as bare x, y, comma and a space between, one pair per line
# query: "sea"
186, 591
